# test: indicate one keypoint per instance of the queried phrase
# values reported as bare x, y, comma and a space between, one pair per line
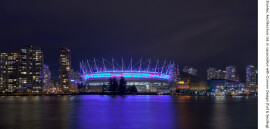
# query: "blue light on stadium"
147, 75
141, 69
126, 75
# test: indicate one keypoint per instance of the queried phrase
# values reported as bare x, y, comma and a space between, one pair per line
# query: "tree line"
120, 86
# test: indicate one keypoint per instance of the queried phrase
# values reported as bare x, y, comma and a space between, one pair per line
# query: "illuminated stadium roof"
141, 69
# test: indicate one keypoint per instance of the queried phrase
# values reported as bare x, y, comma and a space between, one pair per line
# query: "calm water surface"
131, 112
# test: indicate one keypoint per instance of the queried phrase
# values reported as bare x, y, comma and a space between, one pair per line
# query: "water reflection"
143, 111
125, 111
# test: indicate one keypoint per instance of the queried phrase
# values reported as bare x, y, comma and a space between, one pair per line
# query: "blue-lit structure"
146, 75
126, 74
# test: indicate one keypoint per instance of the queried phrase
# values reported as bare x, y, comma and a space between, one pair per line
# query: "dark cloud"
199, 33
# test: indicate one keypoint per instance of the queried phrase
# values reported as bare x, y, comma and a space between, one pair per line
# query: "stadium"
147, 75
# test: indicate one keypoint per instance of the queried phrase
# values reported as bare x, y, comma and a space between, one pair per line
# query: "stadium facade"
147, 75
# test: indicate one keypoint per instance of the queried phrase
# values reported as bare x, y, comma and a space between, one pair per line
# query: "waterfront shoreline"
98, 93
62, 94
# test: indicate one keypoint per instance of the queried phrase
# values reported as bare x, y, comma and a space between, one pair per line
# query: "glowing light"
181, 82
126, 75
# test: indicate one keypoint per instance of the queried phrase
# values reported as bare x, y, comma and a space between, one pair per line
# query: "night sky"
201, 33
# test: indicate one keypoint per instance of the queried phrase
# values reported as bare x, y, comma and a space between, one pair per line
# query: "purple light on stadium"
126, 75
140, 69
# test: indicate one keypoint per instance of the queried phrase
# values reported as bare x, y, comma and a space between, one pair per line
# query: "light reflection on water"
133, 111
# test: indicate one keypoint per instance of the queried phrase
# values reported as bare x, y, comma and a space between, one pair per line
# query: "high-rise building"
22, 71
176, 73
190, 70
31, 69
211, 73
64, 69
75, 77
9, 72
13, 72
231, 73
251, 78
75, 80
221, 74
46, 77
3, 72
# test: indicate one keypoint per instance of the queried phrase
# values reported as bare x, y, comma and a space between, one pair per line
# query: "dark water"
131, 112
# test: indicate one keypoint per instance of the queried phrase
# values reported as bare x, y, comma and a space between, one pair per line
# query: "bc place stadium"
147, 75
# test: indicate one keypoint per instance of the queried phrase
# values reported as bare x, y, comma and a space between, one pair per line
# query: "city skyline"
202, 74
25, 71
